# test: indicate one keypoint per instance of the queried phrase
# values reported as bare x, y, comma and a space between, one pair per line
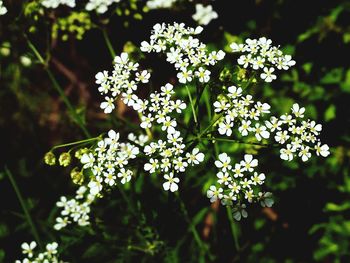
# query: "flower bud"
50, 158
64, 159
77, 176
78, 154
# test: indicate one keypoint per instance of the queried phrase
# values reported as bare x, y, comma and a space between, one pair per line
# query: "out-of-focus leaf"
330, 113
332, 77
337, 208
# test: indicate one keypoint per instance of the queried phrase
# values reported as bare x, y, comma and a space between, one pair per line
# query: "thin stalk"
236, 141
192, 228
234, 229
24, 207
192, 106
60, 91
108, 43
75, 143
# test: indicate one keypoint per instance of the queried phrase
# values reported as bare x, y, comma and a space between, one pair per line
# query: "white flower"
108, 105
249, 163
3, 9
224, 178
185, 76
122, 59
261, 132
281, 137
51, 248
171, 183
95, 185
28, 248
322, 150
234, 92
203, 75
267, 75
195, 157
245, 127
151, 166
88, 160
169, 125
304, 153
214, 194
143, 77
258, 178
297, 111
204, 15
225, 128
287, 153
125, 175
224, 162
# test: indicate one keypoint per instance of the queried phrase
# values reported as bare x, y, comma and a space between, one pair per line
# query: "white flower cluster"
56, 3
101, 6
190, 57
238, 184
76, 209
109, 160
204, 14
260, 54
158, 4
298, 136
3, 9
235, 107
49, 256
167, 157
123, 81
106, 162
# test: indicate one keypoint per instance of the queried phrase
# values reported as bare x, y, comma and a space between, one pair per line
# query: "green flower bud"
225, 74
50, 158
77, 176
64, 159
242, 74
78, 154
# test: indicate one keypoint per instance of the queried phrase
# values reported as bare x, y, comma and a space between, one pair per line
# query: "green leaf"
337, 208
330, 113
332, 77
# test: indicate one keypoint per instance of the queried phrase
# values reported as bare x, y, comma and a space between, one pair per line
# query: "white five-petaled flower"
214, 194
268, 75
249, 163
204, 14
322, 150
224, 162
171, 182
195, 157
28, 248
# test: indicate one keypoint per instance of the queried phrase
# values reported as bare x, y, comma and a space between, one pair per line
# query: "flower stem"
24, 207
236, 141
77, 142
234, 229
192, 228
108, 43
60, 91
192, 106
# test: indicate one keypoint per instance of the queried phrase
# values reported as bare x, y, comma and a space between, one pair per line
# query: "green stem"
108, 43
236, 141
74, 143
60, 91
24, 207
192, 106
192, 228
234, 229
